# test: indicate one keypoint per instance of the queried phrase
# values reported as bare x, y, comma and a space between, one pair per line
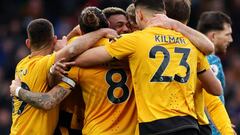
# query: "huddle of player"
155, 80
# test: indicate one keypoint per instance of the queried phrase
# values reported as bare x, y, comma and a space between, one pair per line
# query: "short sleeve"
123, 47
202, 64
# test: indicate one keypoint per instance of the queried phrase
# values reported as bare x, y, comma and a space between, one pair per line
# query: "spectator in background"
217, 27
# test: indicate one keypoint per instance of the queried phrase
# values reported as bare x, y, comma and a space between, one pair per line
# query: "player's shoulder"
33, 61
160, 30
23, 60
26, 60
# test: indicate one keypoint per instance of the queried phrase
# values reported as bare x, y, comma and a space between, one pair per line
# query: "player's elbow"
72, 51
215, 89
48, 102
210, 83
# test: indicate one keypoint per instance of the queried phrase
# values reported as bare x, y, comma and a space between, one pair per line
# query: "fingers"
14, 85
70, 64
110, 33
110, 36
61, 67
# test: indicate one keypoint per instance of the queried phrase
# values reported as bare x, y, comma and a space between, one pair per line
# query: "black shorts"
205, 130
190, 131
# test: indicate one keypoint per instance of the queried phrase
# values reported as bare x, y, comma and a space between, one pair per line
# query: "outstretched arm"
44, 101
197, 38
84, 42
93, 57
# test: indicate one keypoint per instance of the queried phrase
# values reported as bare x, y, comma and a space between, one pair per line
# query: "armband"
69, 81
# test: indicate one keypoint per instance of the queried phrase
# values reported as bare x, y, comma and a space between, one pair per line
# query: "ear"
141, 15
108, 23
28, 43
54, 40
211, 36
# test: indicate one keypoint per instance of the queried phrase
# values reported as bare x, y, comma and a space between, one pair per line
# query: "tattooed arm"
44, 101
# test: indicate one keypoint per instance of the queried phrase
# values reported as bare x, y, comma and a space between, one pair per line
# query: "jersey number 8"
113, 85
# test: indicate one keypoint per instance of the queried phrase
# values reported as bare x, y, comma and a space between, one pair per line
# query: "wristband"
68, 81
17, 91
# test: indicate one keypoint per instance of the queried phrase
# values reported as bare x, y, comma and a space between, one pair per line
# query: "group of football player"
140, 71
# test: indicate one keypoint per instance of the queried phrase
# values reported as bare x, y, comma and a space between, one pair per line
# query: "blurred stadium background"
16, 14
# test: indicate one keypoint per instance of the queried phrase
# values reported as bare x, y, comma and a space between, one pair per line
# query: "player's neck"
41, 52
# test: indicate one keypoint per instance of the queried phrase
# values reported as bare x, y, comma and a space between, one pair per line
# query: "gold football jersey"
164, 66
26, 119
110, 107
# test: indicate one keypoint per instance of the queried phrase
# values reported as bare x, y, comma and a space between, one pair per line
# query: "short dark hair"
157, 5
212, 20
178, 9
40, 32
108, 12
91, 19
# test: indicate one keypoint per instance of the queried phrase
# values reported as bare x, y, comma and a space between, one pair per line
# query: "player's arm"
82, 43
57, 71
210, 83
218, 114
44, 101
93, 57
197, 38
119, 49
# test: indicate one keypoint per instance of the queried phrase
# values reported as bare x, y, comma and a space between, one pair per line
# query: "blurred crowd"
16, 14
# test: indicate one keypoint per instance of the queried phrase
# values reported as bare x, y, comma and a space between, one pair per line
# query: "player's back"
164, 70
27, 119
109, 100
